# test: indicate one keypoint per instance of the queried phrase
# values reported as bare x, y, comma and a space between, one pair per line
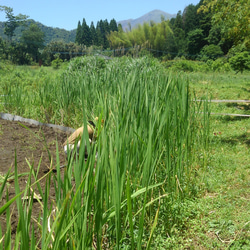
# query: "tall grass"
152, 137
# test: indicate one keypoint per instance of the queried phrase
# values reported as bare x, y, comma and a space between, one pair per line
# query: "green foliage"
240, 61
33, 40
92, 35
231, 15
56, 63
220, 65
141, 104
67, 51
156, 37
181, 64
190, 18
195, 42
12, 21
152, 137
211, 52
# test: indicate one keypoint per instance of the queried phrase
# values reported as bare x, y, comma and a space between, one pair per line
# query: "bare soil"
27, 142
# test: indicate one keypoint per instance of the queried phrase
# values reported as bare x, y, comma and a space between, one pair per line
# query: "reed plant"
152, 138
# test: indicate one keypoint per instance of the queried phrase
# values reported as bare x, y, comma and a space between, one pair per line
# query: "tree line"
91, 35
205, 31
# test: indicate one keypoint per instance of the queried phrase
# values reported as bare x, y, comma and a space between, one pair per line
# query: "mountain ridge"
154, 15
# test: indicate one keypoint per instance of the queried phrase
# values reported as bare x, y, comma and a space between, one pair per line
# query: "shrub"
211, 51
240, 62
57, 62
220, 64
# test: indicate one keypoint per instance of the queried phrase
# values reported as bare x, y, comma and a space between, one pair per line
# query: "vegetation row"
153, 139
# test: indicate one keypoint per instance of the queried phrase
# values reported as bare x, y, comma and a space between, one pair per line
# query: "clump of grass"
151, 140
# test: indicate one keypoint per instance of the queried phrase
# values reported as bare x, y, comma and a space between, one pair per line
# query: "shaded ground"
29, 143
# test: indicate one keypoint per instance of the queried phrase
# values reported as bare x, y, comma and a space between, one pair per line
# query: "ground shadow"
233, 140
244, 106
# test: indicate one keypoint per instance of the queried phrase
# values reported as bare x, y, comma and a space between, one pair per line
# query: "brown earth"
28, 144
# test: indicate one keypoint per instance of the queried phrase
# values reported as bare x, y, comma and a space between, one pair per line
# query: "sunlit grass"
153, 141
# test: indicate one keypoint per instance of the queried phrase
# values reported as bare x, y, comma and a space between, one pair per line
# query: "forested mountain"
155, 16
51, 34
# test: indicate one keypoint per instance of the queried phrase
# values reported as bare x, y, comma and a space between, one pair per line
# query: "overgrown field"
164, 165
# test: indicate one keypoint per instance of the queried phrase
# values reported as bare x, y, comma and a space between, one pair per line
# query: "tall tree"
178, 21
93, 34
195, 42
232, 16
190, 19
86, 39
12, 21
113, 25
179, 43
100, 33
106, 28
79, 33
33, 38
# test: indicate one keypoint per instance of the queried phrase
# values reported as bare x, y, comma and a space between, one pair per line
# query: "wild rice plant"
151, 137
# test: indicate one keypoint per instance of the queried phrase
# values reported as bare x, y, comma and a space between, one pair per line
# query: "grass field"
166, 177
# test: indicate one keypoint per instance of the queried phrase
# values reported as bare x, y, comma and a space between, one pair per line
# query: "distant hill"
155, 16
51, 34
56, 34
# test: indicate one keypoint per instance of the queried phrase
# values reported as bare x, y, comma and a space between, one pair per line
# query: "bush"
184, 65
240, 62
220, 65
57, 62
211, 51
187, 65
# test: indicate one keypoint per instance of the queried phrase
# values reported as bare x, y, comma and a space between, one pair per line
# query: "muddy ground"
29, 144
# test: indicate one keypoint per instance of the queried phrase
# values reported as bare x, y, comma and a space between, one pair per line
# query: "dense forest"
51, 34
206, 31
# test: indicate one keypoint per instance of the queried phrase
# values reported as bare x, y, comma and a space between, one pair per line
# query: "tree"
79, 33
195, 42
93, 34
106, 28
180, 41
113, 25
211, 51
33, 38
12, 21
178, 21
231, 15
240, 62
179, 35
190, 18
86, 39
100, 33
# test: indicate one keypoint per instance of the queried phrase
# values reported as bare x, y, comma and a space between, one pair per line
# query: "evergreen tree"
78, 39
86, 39
190, 18
178, 22
100, 33
93, 34
179, 40
106, 29
113, 25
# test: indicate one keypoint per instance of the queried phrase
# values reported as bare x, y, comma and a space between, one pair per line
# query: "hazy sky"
66, 14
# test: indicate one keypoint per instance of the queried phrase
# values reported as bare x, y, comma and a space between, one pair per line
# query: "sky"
66, 14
